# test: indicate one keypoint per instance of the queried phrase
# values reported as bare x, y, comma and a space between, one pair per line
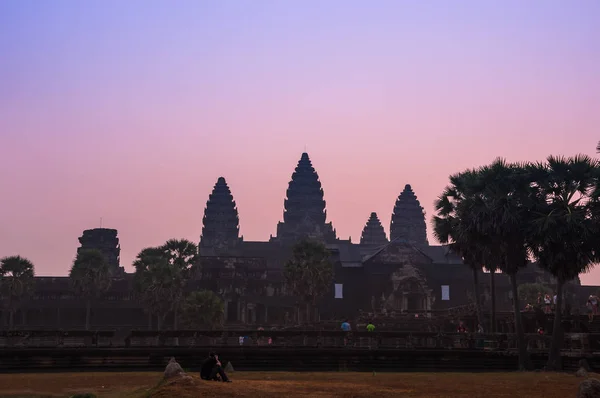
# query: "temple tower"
220, 225
373, 233
106, 241
408, 219
304, 212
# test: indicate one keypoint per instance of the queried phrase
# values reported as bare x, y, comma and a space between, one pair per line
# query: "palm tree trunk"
176, 340
493, 294
88, 313
477, 296
557, 332
149, 321
11, 322
159, 322
524, 360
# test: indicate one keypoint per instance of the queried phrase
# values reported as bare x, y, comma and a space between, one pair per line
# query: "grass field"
280, 384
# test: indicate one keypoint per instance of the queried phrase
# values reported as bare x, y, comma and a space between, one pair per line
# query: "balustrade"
274, 339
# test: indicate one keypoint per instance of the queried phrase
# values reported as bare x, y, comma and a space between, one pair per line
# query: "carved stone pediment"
398, 253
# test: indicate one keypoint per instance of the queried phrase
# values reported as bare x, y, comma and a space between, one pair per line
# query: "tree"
90, 278
309, 273
182, 254
502, 210
452, 227
565, 234
157, 282
16, 275
203, 309
529, 292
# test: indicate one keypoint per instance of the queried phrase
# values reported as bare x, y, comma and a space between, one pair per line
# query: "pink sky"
132, 117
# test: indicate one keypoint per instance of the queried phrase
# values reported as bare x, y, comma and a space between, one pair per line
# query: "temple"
220, 225
402, 275
373, 233
106, 241
304, 214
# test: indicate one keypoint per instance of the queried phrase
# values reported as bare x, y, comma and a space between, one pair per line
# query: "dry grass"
280, 384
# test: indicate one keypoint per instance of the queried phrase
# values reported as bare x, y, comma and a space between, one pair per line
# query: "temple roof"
221, 221
408, 219
373, 233
304, 207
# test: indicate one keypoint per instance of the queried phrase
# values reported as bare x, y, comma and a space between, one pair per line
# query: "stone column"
266, 314
226, 310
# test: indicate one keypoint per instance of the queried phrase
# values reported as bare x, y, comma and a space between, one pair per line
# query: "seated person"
211, 369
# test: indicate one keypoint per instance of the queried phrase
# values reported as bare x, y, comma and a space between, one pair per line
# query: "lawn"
283, 384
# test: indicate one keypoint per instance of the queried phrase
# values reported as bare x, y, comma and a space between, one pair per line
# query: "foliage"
16, 282
183, 254
90, 273
203, 309
452, 226
309, 271
158, 283
17, 275
481, 215
565, 232
528, 292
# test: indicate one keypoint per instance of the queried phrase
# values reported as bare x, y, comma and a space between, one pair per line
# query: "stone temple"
402, 274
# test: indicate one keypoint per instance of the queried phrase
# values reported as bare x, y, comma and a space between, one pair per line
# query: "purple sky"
131, 110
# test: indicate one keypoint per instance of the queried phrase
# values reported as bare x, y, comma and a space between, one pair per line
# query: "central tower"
304, 212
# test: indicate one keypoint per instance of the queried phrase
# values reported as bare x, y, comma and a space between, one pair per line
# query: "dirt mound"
191, 387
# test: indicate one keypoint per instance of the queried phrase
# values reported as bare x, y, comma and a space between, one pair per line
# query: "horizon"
129, 112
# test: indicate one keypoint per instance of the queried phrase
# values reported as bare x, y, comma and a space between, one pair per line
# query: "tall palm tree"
565, 233
499, 211
309, 274
90, 278
157, 282
452, 228
16, 275
182, 254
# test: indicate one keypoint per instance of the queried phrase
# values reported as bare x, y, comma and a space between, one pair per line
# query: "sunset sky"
131, 110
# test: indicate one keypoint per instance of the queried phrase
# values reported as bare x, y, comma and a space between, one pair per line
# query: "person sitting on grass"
211, 369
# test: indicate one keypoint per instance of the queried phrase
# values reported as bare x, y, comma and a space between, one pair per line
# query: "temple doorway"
232, 311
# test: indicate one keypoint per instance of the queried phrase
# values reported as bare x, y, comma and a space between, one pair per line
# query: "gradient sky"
131, 110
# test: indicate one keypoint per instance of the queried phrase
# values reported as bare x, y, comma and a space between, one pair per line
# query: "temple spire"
304, 212
220, 229
408, 219
373, 233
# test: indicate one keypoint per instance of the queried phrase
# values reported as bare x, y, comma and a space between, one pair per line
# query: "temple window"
445, 292
339, 290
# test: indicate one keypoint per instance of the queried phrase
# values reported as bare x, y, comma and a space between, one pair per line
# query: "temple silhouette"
399, 275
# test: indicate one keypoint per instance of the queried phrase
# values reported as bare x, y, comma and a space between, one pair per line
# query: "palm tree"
565, 233
90, 278
203, 309
452, 227
157, 282
309, 273
16, 275
502, 212
182, 254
